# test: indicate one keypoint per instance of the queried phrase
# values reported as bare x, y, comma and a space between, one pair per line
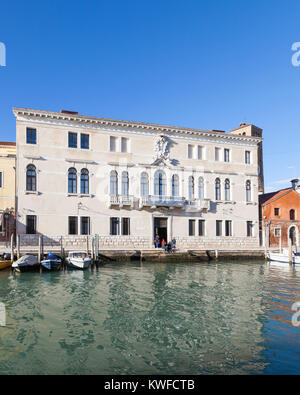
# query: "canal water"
152, 318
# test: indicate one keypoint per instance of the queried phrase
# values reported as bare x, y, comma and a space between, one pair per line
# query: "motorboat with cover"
26, 263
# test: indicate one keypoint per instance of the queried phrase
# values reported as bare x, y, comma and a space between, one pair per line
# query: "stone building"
7, 190
280, 215
130, 181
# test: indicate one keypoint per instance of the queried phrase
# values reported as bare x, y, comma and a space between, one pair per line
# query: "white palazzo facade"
130, 181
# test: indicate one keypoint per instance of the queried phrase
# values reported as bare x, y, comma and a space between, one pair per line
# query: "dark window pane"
31, 178
191, 227
1, 179
228, 228
84, 181
72, 181
201, 227
249, 229
73, 225
126, 226
30, 224
114, 226
72, 140
31, 136
85, 225
85, 141
218, 228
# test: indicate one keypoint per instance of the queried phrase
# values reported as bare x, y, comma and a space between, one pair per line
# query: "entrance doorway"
161, 229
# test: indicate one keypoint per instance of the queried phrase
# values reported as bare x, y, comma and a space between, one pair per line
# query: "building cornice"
40, 115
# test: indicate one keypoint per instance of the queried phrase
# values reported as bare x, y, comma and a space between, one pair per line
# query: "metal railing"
162, 200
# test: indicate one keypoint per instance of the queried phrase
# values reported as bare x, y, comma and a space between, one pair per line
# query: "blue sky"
203, 64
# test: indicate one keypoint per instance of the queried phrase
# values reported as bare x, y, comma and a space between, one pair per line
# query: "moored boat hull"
5, 264
51, 265
272, 256
27, 263
78, 264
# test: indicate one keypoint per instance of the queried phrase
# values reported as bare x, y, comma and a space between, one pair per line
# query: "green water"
152, 318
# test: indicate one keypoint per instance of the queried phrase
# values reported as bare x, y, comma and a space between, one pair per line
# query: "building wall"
7, 189
289, 200
52, 204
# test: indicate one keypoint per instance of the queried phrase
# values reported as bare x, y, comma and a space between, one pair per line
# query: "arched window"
31, 178
113, 182
125, 183
144, 184
191, 187
159, 183
201, 188
72, 180
175, 185
218, 189
84, 181
292, 214
248, 191
227, 189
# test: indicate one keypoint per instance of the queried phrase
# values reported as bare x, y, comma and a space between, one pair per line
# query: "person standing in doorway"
156, 241
163, 243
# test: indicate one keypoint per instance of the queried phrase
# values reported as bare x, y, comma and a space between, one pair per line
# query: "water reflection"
152, 318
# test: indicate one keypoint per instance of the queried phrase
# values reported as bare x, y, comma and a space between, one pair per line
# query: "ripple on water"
145, 318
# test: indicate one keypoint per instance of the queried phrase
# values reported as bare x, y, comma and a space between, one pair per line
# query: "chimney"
68, 112
294, 183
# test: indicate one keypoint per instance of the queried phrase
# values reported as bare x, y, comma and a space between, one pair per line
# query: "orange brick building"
280, 217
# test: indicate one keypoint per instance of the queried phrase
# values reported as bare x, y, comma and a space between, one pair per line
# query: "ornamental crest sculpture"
161, 150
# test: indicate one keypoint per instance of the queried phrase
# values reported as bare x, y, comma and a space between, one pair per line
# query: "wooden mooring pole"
18, 246
40, 248
12, 248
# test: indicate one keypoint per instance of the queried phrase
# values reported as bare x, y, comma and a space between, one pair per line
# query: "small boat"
26, 263
78, 260
283, 257
52, 262
5, 262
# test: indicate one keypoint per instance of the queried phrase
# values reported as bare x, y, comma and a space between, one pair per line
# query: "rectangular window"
190, 151
217, 153
31, 136
277, 232
73, 225
201, 227
114, 226
113, 144
200, 152
247, 157
226, 155
191, 227
124, 144
276, 211
218, 228
249, 229
1, 179
228, 228
72, 140
125, 226
85, 143
85, 225
30, 224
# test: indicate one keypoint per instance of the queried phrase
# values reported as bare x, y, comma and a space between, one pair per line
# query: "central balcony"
198, 205
162, 201
121, 200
